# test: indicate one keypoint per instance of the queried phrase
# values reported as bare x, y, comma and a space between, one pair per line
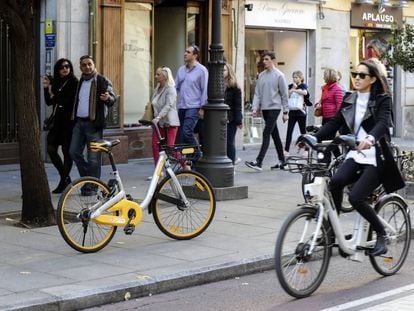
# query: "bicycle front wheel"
299, 272
73, 211
394, 211
173, 217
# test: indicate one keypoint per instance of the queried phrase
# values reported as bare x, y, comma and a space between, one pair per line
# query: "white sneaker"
237, 161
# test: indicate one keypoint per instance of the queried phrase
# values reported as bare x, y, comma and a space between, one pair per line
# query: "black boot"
380, 247
62, 185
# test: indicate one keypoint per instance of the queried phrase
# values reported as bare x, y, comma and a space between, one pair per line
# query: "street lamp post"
215, 164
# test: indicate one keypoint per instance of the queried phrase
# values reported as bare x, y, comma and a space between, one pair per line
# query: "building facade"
129, 39
311, 35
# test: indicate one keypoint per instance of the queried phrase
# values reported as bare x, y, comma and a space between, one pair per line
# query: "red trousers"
172, 133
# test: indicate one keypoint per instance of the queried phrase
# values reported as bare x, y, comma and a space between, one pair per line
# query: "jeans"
270, 129
231, 135
188, 122
83, 133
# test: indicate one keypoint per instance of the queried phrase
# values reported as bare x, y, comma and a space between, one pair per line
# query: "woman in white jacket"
164, 101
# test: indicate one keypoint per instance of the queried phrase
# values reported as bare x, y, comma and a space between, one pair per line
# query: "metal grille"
8, 116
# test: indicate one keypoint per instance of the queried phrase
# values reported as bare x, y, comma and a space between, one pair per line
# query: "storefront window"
193, 20
290, 47
368, 43
137, 60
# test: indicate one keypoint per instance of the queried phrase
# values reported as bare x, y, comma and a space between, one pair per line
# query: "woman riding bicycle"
365, 113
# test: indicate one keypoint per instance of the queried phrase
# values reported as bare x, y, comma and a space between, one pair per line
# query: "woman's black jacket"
376, 123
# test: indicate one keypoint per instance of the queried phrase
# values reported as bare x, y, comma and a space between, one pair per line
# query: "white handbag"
296, 102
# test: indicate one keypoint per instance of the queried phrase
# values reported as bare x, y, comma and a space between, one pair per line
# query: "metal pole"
215, 164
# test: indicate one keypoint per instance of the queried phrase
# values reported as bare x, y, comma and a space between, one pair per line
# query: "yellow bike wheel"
73, 212
171, 215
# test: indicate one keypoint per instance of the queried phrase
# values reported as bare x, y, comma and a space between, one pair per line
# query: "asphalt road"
346, 281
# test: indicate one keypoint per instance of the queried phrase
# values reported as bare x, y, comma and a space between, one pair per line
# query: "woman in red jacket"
331, 100
332, 95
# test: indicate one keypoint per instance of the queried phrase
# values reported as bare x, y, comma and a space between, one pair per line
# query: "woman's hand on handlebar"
156, 120
306, 139
364, 144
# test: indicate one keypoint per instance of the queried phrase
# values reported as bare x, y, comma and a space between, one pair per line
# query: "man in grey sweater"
270, 96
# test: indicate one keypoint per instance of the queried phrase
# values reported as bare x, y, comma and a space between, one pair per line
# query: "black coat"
233, 100
375, 122
64, 91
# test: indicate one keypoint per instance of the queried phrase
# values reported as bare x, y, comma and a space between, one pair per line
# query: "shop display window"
137, 60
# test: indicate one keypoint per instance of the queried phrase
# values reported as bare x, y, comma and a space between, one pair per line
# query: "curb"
78, 298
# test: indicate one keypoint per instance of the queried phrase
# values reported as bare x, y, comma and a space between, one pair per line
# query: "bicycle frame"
356, 246
119, 202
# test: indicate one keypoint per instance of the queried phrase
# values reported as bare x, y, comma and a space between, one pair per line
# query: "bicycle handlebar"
311, 141
154, 126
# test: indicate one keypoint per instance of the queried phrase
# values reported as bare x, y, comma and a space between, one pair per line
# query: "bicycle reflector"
188, 151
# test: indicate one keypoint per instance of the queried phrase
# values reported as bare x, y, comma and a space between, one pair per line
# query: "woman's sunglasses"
362, 75
64, 67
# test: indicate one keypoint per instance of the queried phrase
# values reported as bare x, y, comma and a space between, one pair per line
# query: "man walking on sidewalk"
191, 84
270, 96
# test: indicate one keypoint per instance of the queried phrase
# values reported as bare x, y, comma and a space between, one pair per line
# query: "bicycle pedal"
129, 229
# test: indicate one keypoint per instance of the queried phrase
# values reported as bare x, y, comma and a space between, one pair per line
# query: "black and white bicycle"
304, 244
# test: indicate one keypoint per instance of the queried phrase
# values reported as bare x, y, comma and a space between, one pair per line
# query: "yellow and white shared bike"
182, 203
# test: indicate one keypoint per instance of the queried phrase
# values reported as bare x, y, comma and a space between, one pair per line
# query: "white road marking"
400, 304
369, 299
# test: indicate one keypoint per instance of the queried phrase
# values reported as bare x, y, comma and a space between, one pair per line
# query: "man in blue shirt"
191, 83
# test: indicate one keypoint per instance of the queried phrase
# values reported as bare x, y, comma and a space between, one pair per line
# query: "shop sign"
281, 14
374, 16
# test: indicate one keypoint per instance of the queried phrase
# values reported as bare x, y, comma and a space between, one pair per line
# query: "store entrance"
369, 43
290, 48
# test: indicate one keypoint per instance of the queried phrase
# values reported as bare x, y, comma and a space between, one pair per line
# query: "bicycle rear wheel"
394, 211
73, 212
176, 220
298, 272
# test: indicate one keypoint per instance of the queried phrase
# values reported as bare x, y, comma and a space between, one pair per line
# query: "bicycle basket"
302, 165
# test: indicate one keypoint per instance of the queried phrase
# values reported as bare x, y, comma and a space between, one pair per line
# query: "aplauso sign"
374, 16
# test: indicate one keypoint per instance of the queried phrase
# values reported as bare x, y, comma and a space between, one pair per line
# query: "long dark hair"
380, 86
57, 80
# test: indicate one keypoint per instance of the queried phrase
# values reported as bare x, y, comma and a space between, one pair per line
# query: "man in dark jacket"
93, 98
